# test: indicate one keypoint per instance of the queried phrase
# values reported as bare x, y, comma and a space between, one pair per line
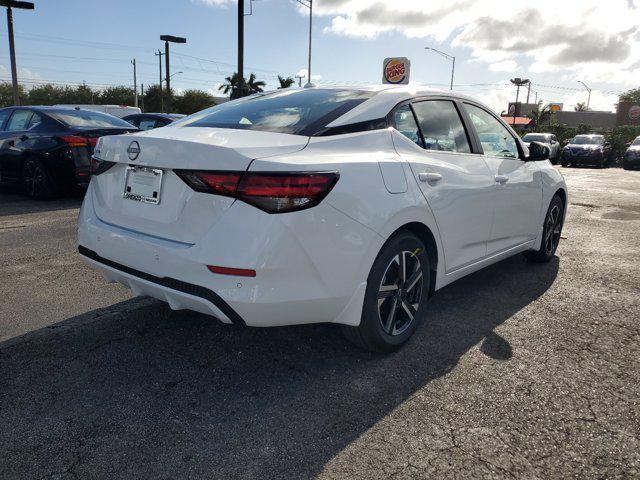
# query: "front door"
517, 188
456, 183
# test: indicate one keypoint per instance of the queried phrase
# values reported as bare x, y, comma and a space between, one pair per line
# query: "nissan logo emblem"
133, 150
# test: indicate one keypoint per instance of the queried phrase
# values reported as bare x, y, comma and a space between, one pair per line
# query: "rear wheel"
36, 180
551, 232
396, 295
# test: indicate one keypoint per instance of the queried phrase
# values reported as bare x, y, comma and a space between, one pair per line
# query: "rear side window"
19, 120
147, 124
88, 119
301, 112
441, 126
496, 140
406, 124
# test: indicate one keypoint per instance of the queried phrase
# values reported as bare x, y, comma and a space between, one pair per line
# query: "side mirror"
538, 151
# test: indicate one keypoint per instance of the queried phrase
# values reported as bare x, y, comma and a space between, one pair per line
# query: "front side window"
297, 112
3, 116
406, 124
635, 142
441, 126
19, 120
496, 140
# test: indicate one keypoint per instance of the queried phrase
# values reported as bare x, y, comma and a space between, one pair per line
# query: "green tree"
6, 94
250, 86
632, 95
117, 95
45, 95
152, 101
192, 101
541, 115
580, 107
285, 82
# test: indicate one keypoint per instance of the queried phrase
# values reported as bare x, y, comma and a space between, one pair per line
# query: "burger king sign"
396, 70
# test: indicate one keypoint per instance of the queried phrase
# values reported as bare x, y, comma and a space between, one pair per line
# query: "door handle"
501, 179
429, 177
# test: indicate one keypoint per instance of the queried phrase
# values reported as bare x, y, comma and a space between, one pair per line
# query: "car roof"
386, 97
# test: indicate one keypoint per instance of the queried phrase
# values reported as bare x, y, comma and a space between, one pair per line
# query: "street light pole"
451, 58
309, 5
12, 48
240, 50
167, 39
519, 82
589, 90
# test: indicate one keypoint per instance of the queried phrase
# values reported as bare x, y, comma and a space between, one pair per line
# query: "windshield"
636, 142
579, 140
297, 112
88, 119
532, 137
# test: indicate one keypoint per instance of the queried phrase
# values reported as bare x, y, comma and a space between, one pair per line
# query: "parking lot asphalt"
521, 371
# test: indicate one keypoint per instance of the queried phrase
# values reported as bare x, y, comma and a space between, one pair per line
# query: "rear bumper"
310, 268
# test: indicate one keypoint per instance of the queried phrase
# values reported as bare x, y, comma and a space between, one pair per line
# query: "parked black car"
47, 150
631, 158
586, 150
147, 121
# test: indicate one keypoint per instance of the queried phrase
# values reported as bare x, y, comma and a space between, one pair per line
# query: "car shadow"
16, 203
138, 391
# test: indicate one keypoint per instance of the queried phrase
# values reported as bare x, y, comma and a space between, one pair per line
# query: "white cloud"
215, 3
599, 40
504, 66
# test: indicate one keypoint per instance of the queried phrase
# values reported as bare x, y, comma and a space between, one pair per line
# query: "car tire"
626, 166
394, 304
36, 180
551, 232
564, 163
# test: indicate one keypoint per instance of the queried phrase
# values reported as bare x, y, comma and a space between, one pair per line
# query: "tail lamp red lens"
238, 272
272, 192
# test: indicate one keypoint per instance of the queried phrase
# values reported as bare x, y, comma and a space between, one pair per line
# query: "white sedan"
343, 205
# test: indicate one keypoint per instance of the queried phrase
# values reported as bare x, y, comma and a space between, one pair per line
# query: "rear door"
517, 190
456, 182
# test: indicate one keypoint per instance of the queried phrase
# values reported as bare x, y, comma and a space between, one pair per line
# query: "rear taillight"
272, 192
100, 166
76, 141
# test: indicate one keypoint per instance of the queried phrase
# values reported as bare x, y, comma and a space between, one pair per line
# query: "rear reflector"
238, 272
272, 192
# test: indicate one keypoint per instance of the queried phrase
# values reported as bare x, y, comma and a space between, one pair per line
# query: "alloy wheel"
553, 229
33, 178
400, 293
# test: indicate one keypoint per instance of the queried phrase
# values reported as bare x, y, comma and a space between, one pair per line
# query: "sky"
555, 44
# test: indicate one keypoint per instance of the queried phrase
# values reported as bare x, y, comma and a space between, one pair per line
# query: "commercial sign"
396, 70
556, 107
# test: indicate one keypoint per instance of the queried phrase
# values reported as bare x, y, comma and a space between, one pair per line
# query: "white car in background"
337, 205
548, 139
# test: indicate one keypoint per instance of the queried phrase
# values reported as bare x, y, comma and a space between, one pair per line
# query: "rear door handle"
501, 179
429, 177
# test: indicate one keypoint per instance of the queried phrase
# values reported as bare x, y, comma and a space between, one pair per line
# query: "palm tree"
540, 114
580, 107
250, 86
285, 82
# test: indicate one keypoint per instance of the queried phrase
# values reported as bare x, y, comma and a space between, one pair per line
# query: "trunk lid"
182, 214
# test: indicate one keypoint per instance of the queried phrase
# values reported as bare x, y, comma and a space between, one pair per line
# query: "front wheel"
551, 232
396, 295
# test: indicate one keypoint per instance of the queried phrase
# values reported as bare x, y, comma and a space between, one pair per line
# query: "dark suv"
586, 150
47, 150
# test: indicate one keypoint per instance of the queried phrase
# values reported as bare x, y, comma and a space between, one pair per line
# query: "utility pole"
589, 90
451, 58
528, 92
167, 39
240, 92
135, 84
159, 55
300, 77
142, 97
12, 48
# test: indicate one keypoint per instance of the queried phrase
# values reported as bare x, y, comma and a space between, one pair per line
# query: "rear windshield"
534, 138
587, 140
88, 119
301, 112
